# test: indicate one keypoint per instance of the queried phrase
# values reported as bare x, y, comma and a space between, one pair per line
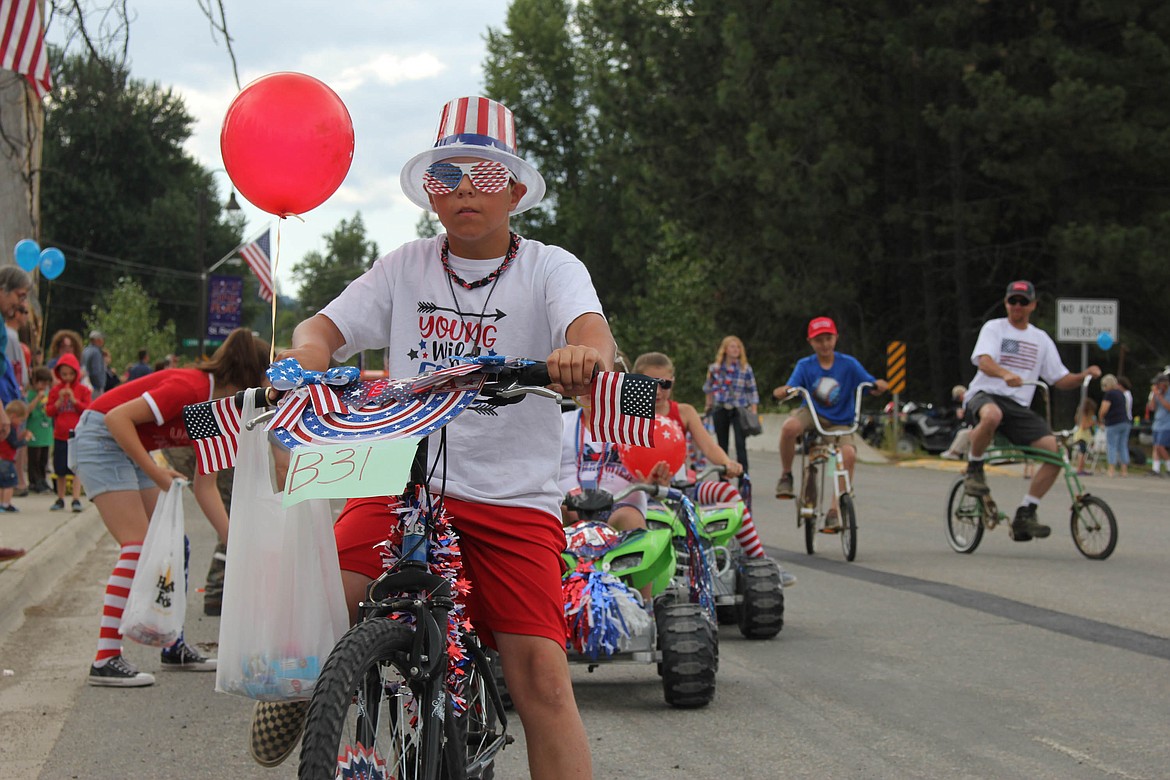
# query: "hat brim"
411, 178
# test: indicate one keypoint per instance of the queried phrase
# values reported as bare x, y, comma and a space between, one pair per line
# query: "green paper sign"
376, 468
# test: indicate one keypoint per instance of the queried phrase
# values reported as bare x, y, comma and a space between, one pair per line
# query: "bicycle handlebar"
795, 391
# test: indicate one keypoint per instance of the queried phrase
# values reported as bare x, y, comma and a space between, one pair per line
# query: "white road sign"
1084, 320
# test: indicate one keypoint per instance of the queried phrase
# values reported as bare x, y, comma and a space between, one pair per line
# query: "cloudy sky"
394, 63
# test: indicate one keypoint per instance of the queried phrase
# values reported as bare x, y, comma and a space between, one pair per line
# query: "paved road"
1021, 660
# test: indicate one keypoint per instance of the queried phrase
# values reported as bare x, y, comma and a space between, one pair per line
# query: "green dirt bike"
747, 591
682, 637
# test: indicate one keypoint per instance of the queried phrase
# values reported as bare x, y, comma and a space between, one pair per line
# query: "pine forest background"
739, 166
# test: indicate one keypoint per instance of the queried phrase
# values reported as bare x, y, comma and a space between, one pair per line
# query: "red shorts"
511, 555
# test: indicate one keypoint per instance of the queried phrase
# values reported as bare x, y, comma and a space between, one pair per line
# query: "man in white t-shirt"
1009, 352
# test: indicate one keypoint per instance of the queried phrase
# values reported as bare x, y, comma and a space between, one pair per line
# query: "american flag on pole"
22, 47
622, 410
214, 428
257, 255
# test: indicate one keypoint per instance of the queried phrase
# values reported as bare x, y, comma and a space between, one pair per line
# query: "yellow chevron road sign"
896, 366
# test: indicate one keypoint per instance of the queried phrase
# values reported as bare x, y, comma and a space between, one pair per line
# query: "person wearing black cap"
1009, 352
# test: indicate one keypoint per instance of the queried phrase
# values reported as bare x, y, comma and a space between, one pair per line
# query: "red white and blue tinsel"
444, 560
601, 611
356, 763
702, 589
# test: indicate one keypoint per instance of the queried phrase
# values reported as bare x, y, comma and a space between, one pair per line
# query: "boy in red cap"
831, 378
480, 288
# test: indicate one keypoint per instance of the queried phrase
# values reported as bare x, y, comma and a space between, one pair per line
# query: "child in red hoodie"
68, 398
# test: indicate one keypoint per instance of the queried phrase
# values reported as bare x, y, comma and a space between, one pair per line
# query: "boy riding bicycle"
1009, 352
499, 472
831, 378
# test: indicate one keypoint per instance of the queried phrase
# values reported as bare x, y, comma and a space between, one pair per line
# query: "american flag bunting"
622, 408
214, 428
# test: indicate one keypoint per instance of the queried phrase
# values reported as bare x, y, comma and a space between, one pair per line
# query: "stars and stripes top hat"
474, 127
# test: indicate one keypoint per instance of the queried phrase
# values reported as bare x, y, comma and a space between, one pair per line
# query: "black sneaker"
784, 486
117, 673
58, 505
975, 483
276, 730
183, 658
1025, 526
76, 505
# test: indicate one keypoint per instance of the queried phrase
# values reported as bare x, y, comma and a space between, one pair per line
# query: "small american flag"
1018, 355
22, 47
258, 257
622, 410
214, 428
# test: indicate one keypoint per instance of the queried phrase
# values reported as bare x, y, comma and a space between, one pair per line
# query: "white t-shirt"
587, 463
408, 302
1030, 354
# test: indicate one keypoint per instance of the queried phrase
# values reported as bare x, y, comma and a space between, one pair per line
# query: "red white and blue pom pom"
601, 612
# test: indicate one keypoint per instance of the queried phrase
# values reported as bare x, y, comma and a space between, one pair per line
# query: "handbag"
283, 604
749, 421
157, 604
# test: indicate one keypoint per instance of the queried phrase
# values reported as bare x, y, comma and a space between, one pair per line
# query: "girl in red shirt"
68, 398
113, 444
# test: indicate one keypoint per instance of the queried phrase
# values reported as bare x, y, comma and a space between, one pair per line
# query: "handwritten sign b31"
376, 468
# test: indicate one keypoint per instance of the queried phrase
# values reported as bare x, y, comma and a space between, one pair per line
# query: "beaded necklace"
513, 248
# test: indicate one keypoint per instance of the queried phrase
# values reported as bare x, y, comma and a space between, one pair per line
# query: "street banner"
225, 303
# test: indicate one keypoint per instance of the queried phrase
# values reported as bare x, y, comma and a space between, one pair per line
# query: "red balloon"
287, 142
670, 445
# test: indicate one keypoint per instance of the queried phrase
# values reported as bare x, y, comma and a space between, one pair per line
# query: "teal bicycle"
1091, 521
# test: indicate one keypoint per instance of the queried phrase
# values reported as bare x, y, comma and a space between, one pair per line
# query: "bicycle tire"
1094, 528
367, 664
848, 526
810, 533
964, 521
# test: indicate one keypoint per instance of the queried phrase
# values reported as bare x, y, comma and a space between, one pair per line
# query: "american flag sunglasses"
488, 176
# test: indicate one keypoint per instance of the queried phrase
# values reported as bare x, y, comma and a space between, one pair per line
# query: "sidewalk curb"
29, 580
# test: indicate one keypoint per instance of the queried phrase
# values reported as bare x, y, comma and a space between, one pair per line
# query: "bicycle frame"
830, 443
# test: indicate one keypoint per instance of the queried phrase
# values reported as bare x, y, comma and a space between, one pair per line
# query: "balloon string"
275, 265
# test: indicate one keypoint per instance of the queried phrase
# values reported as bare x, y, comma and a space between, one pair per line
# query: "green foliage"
130, 320
119, 194
322, 276
889, 165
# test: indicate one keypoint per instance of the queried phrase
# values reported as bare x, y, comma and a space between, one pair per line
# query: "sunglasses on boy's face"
1018, 301
489, 177
666, 384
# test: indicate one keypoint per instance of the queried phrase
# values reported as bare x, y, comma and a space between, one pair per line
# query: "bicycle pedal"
830, 530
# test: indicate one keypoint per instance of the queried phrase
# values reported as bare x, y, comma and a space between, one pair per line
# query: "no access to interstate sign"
1083, 320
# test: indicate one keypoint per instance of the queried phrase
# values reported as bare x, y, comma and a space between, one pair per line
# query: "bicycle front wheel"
964, 523
1094, 528
848, 526
367, 708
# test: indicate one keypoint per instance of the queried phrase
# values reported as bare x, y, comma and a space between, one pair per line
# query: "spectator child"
17, 437
1083, 438
68, 398
40, 425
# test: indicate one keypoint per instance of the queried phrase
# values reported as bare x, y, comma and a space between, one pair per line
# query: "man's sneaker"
117, 673
784, 486
975, 484
276, 730
832, 521
1025, 526
76, 505
183, 658
58, 505
787, 578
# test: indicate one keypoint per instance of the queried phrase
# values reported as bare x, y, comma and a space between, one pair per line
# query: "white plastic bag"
283, 604
157, 604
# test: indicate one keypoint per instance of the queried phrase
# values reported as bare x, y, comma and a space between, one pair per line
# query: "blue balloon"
1104, 340
27, 254
52, 262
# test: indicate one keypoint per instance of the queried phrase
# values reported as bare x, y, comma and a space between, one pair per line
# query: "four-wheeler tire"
761, 614
690, 655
